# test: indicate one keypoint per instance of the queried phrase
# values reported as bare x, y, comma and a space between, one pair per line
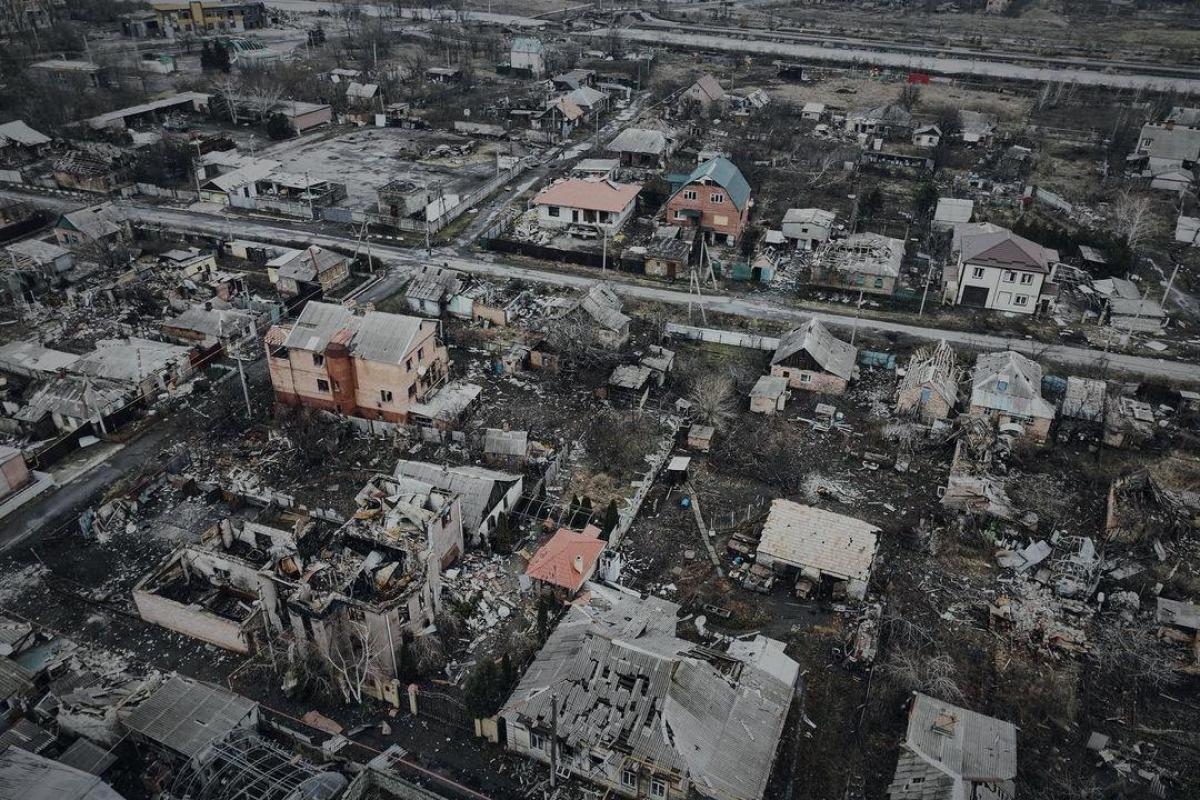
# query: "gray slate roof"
506, 443
374, 336
952, 747
681, 712
835, 356
32, 777
186, 715
478, 488
1010, 383
308, 264
639, 140
602, 305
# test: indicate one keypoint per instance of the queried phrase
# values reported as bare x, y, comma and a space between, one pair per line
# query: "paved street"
401, 261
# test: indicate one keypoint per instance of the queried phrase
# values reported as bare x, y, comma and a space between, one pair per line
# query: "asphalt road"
402, 261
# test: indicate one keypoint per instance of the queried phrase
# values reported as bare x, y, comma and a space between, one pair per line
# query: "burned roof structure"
34, 777
185, 716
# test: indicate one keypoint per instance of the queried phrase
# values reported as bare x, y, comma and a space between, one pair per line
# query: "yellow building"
208, 16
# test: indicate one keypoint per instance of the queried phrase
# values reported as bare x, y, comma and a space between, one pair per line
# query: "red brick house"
714, 198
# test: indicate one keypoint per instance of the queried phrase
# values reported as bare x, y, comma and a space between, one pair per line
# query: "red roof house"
568, 559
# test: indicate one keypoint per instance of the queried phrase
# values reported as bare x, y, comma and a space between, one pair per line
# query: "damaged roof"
952, 748
479, 489
602, 305
130, 360
625, 682
187, 715
809, 537
34, 777
832, 354
506, 443
1011, 383
374, 336
307, 265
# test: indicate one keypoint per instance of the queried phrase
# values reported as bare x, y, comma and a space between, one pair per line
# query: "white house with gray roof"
1000, 271
1007, 388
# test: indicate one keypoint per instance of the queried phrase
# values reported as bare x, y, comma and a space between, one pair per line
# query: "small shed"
770, 394
700, 437
677, 470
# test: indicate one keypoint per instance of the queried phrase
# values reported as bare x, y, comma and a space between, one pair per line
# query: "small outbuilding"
825, 548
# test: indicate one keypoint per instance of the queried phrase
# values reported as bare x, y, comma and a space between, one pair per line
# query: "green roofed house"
715, 197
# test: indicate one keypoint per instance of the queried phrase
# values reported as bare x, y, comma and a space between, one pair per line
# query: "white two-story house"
1000, 271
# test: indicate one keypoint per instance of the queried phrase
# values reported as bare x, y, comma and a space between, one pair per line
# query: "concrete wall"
195, 622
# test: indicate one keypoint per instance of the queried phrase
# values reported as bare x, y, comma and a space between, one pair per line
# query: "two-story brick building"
374, 365
715, 197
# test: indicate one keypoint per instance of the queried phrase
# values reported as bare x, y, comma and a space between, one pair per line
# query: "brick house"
1006, 387
929, 389
375, 365
310, 269
715, 197
813, 360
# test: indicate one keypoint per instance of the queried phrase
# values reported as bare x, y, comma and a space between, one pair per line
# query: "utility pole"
553, 739
925, 292
857, 312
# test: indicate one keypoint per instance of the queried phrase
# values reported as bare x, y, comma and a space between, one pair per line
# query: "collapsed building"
615, 698
370, 584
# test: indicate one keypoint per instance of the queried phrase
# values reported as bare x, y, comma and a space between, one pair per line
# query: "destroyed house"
146, 366
642, 713
1006, 387
806, 228
375, 365
207, 326
486, 495
888, 121
827, 550
929, 388
867, 262
505, 448
226, 588
65, 403
812, 359
950, 753
601, 308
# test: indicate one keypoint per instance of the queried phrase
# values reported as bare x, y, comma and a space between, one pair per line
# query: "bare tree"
264, 99
914, 671
712, 397
352, 658
230, 91
1132, 216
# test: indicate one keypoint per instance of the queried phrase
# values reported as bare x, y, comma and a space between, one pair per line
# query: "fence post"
412, 699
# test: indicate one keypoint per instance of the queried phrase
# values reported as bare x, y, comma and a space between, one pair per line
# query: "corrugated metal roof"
84, 755
602, 305
31, 777
130, 360
20, 133
639, 140
808, 537
187, 715
15, 680
506, 443
374, 336
26, 735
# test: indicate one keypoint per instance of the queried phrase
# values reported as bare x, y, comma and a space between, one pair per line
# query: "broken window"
716, 197
385, 395
552, 211
408, 365
1021, 300
322, 385
1001, 386
1027, 279
318, 360
538, 742
1009, 276
412, 391
977, 272
420, 354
